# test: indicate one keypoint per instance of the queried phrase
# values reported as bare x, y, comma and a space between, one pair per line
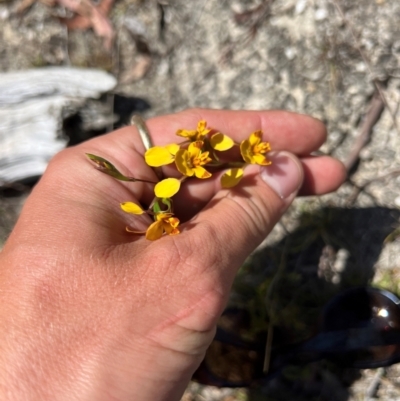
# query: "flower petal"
204, 159
174, 222
255, 138
182, 160
170, 226
245, 150
158, 156
201, 172
201, 125
186, 133
155, 231
221, 142
202, 129
132, 208
167, 188
163, 215
261, 160
172, 148
194, 148
231, 177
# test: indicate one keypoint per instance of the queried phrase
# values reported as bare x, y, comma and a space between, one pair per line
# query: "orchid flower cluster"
194, 157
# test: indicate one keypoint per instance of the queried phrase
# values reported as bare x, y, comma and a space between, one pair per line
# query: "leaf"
108, 168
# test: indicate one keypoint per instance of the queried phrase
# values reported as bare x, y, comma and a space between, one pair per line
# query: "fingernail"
284, 175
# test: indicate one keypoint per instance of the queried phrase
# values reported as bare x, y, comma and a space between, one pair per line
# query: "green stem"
132, 179
226, 165
151, 206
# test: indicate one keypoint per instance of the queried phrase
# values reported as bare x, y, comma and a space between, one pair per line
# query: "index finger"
296, 133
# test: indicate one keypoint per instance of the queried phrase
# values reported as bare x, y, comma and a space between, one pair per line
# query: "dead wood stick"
375, 109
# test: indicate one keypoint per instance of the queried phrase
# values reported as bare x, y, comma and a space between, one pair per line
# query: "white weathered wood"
31, 106
20, 86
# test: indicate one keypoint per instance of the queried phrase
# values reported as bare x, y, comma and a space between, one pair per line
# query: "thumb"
237, 220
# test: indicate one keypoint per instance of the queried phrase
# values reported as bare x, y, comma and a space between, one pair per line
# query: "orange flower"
197, 134
165, 223
253, 150
189, 162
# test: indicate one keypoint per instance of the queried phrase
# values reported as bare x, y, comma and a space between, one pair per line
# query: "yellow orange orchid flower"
189, 162
253, 150
197, 134
165, 223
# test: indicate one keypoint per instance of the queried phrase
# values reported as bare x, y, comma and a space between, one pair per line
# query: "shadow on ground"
285, 287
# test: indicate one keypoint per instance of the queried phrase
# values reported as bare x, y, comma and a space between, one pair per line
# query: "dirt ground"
337, 60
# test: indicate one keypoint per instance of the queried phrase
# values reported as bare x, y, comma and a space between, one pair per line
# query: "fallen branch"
375, 109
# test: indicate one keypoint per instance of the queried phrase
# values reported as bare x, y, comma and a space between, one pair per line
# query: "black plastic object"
358, 328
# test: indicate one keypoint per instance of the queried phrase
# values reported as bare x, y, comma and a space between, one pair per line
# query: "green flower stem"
155, 199
224, 166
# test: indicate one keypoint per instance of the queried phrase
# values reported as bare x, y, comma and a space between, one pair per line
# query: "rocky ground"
337, 60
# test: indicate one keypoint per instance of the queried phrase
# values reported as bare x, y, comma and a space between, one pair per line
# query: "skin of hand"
91, 312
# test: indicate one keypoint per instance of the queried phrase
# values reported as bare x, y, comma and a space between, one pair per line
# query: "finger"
296, 133
322, 175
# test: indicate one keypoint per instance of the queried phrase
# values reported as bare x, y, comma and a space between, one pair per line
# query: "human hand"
91, 312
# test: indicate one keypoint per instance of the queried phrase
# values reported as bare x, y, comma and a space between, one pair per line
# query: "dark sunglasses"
358, 328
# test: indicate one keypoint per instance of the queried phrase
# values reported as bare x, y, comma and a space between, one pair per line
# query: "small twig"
268, 348
372, 116
373, 387
270, 304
